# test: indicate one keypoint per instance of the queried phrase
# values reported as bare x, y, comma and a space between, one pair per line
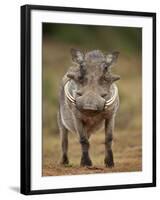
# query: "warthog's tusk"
107, 103
113, 98
68, 95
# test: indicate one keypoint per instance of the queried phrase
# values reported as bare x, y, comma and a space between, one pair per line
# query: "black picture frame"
26, 98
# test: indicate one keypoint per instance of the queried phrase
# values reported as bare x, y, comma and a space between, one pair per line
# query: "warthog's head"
93, 78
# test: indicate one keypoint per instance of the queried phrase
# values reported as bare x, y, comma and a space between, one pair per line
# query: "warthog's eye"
82, 80
104, 65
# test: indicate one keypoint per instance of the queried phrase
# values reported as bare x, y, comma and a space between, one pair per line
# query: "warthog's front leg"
109, 126
64, 141
83, 139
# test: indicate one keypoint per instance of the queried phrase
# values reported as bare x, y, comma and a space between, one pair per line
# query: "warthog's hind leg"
64, 141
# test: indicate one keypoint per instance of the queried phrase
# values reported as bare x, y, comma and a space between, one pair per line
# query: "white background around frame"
10, 100
145, 176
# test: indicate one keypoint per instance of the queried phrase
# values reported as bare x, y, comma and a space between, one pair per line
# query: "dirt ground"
126, 147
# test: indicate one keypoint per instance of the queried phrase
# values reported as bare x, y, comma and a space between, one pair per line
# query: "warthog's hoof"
85, 161
64, 160
109, 162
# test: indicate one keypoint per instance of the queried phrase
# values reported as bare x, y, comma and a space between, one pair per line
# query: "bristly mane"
95, 56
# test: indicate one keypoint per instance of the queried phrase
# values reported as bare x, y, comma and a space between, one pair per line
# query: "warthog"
88, 102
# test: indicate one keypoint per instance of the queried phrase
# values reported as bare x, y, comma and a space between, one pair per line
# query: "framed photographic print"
88, 99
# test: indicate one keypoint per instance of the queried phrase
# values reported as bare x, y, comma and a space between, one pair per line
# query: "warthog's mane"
95, 56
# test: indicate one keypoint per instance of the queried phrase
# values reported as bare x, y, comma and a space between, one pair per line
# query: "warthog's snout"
90, 102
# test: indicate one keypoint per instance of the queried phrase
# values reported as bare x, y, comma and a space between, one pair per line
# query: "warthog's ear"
112, 58
77, 56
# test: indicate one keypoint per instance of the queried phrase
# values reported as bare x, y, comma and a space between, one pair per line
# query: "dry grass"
126, 147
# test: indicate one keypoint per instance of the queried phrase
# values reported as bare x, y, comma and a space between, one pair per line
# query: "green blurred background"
127, 40
58, 39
